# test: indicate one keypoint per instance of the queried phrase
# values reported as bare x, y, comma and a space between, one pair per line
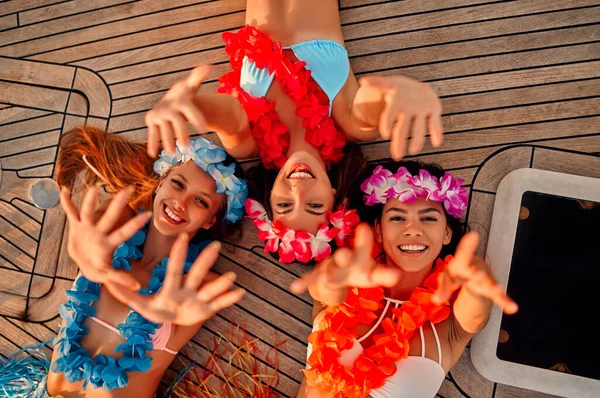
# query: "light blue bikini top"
326, 59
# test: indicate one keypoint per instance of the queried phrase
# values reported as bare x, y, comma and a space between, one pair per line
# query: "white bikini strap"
387, 304
422, 342
437, 341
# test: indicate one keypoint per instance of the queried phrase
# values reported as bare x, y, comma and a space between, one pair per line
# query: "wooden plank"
38, 97
50, 241
276, 292
168, 65
83, 21
458, 16
63, 10
29, 209
200, 41
78, 104
136, 104
519, 78
95, 90
16, 114
18, 238
46, 308
30, 127
28, 159
8, 22
93, 54
14, 282
470, 49
150, 20
392, 9
569, 163
30, 142
521, 96
11, 305
22, 5
38, 172
19, 218
522, 114
480, 217
57, 76
496, 168
40, 286
499, 63
473, 31
164, 82
589, 144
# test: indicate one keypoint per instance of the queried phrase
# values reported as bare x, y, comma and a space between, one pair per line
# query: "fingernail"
216, 244
231, 275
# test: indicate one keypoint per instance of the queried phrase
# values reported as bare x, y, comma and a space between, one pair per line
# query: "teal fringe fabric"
24, 373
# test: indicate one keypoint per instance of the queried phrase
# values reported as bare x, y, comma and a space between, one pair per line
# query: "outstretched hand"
92, 244
413, 106
349, 267
470, 271
166, 121
184, 300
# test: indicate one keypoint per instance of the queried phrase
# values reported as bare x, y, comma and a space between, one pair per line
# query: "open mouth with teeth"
301, 171
412, 249
171, 216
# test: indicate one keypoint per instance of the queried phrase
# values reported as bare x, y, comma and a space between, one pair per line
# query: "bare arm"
221, 113
225, 116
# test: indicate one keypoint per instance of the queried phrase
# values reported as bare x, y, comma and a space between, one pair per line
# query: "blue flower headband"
209, 157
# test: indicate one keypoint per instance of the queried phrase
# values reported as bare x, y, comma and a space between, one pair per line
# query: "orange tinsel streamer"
371, 369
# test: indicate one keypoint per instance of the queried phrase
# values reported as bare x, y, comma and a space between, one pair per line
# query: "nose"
412, 230
181, 203
299, 187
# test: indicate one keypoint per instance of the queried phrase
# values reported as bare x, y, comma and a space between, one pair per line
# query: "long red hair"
122, 163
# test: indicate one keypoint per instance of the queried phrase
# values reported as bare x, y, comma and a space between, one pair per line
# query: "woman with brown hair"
156, 261
299, 126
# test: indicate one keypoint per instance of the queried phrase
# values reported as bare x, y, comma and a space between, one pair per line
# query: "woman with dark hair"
298, 126
144, 287
395, 313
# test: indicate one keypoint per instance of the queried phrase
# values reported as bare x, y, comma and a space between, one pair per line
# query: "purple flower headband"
383, 185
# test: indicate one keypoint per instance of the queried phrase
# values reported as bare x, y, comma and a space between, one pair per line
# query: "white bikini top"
416, 376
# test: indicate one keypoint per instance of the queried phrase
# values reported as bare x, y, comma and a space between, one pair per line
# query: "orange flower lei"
370, 370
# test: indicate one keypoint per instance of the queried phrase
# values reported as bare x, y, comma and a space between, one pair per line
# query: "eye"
202, 202
396, 218
283, 205
177, 184
315, 205
429, 219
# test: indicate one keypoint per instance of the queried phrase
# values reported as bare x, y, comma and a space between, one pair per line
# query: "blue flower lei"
104, 371
209, 157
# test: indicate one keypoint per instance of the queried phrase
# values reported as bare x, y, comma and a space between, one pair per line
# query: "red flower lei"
378, 362
312, 104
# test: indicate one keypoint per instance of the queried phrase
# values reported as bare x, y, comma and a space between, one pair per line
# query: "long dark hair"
371, 214
341, 175
124, 163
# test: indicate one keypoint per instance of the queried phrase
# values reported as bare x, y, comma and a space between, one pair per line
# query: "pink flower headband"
301, 245
383, 185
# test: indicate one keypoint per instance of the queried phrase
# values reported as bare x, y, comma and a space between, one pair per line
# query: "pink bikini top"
159, 339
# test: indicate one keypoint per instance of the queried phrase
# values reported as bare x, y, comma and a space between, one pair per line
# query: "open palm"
184, 300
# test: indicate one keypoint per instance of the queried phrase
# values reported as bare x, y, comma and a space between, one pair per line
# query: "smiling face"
413, 233
302, 193
186, 200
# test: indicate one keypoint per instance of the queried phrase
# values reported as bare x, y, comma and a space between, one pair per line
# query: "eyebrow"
399, 210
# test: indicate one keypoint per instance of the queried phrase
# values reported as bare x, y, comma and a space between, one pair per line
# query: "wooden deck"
523, 73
